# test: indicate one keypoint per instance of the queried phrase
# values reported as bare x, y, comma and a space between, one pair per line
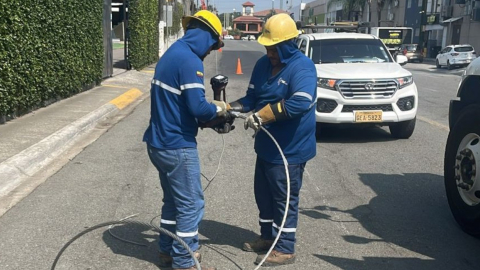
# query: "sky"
227, 6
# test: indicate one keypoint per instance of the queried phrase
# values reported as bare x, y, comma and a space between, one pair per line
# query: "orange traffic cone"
239, 67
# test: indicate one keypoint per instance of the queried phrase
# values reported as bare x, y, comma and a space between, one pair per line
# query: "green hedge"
49, 49
143, 27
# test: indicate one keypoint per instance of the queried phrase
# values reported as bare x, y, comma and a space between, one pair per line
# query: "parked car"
226, 37
360, 83
462, 153
248, 37
456, 55
413, 52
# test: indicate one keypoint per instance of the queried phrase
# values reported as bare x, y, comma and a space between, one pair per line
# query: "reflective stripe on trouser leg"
169, 213
182, 170
263, 198
278, 182
168, 216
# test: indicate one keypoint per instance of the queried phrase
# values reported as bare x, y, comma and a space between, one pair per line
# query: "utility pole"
423, 23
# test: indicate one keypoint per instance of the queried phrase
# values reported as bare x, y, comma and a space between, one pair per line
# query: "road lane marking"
433, 123
126, 98
429, 89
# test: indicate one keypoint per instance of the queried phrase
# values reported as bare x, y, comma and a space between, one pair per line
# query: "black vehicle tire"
449, 67
437, 64
403, 130
467, 216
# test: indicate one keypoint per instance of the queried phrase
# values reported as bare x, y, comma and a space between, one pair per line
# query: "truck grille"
367, 89
380, 107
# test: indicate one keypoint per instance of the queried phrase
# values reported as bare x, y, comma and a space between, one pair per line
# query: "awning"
452, 19
430, 27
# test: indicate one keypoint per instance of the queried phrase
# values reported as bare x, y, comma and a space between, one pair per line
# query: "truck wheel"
462, 170
403, 130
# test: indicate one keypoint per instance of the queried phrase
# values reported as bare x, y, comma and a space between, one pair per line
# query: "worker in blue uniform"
282, 94
178, 106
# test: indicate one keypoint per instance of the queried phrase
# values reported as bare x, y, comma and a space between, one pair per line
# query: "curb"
25, 164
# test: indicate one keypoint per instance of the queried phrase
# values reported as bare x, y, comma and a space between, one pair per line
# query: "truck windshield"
330, 51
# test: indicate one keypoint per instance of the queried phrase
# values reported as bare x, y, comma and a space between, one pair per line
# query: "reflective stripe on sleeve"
187, 234
287, 230
251, 86
166, 87
192, 85
170, 222
304, 94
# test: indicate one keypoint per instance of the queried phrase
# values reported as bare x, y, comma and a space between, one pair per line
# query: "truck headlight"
404, 81
326, 83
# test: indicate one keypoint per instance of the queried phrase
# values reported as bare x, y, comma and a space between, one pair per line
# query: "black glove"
221, 124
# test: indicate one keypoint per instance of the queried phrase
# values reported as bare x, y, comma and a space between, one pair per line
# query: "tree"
349, 5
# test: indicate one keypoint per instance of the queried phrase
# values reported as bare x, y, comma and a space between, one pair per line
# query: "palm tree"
349, 5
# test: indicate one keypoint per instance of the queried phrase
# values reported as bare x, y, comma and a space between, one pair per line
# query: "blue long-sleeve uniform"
296, 85
178, 93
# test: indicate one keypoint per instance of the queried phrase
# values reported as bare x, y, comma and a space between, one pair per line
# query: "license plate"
368, 116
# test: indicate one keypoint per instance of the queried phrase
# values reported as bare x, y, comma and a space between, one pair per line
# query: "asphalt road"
367, 202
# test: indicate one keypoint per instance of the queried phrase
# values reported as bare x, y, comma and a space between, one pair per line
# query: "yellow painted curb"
126, 98
115, 86
148, 71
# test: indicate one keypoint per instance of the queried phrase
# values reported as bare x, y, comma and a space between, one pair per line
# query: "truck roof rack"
354, 27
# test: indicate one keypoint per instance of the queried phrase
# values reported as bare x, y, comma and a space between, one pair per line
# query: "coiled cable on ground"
155, 228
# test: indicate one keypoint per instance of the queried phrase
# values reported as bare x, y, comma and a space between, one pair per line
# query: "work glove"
224, 128
221, 124
222, 107
253, 121
264, 116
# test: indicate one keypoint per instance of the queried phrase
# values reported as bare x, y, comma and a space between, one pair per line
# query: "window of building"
420, 2
409, 3
417, 32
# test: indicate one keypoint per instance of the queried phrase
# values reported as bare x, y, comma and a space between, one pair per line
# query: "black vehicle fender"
468, 93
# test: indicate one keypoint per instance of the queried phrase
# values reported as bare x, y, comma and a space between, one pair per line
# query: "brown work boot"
258, 245
276, 258
166, 260
195, 268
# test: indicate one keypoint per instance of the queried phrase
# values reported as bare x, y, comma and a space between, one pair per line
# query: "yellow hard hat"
209, 19
278, 28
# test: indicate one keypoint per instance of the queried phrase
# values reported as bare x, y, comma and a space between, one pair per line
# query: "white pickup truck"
359, 82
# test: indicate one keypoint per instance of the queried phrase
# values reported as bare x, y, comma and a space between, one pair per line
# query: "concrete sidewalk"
31, 142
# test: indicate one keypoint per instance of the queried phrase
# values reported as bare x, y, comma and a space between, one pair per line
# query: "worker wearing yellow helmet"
281, 93
178, 106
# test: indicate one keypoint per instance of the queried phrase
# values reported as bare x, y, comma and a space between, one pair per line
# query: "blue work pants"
270, 186
183, 202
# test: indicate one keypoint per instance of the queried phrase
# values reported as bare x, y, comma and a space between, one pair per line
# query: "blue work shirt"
296, 84
178, 93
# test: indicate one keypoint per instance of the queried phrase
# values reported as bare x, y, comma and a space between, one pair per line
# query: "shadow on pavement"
410, 213
346, 133
144, 246
225, 234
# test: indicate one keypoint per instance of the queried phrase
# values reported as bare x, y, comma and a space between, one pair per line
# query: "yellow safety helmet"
209, 19
278, 28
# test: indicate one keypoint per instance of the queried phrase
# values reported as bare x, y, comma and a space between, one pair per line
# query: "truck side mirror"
401, 59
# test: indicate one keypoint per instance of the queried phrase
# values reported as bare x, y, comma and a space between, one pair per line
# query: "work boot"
195, 268
258, 245
276, 258
166, 260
